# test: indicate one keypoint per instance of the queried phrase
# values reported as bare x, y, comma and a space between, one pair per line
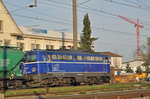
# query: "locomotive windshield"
31, 58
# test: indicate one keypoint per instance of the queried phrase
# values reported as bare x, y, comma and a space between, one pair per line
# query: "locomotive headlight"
13, 74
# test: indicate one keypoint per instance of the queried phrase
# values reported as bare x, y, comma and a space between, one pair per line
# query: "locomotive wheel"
107, 80
56, 81
94, 79
33, 85
17, 85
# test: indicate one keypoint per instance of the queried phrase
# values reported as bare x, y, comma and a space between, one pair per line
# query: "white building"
34, 38
30, 38
134, 64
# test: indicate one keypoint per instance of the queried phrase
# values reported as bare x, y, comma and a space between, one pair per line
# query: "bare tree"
145, 54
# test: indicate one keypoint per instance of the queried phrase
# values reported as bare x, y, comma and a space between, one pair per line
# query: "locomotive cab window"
106, 59
31, 58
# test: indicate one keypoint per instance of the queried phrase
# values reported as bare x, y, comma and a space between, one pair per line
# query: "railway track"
128, 94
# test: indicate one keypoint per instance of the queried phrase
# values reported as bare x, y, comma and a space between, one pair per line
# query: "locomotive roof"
66, 51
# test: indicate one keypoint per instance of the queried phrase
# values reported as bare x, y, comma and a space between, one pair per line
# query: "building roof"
110, 54
46, 33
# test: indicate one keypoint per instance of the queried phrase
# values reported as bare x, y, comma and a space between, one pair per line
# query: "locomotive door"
104, 64
48, 63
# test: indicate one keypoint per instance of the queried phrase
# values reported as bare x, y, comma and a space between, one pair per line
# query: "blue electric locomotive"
60, 67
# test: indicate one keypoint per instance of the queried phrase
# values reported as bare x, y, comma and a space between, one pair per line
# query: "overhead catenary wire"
91, 9
84, 2
133, 2
87, 8
58, 22
112, 44
120, 32
98, 28
41, 13
105, 29
120, 3
79, 7
143, 3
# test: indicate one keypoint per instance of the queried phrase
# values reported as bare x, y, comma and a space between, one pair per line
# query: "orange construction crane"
137, 31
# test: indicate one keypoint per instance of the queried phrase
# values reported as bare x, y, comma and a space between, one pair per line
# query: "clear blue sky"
115, 34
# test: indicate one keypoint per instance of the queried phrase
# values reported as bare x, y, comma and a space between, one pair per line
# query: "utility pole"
74, 4
35, 4
63, 37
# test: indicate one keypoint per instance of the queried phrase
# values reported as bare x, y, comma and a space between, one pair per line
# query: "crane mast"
137, 31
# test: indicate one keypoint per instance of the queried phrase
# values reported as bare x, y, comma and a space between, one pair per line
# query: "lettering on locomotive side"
4, 62
56, 67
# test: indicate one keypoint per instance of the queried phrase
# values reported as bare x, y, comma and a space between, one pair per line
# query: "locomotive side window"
84, 58
92, 58
96, 58
100, 59
64, 57
59, 57
69, 57
88, 58
54, 57
104, 59
79, 58
74, 57
31, 58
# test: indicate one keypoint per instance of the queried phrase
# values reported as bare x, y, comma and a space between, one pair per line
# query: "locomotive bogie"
68, 79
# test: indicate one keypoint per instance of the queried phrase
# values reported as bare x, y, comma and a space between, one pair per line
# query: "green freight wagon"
10, 60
